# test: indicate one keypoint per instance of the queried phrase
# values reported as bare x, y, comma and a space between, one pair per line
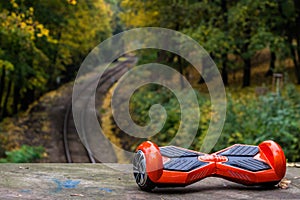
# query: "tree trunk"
295, 61
204, 74
224, 55
162, 56
247, 72
297, 37
2, 84
245, 51
16, 99
28, 99
4, 111
272, 64
297, 69
224, 70
180, 63
52, 80
297, 66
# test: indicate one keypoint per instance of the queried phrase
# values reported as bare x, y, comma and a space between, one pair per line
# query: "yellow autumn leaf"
40, 26
72, 2
45, 32
22, 25
29, 21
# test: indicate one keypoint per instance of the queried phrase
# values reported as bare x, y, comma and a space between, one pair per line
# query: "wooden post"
277, 83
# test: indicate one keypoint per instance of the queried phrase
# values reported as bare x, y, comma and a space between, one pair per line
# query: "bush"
252, 120
144, 98
249, 119
141, 102
25, 154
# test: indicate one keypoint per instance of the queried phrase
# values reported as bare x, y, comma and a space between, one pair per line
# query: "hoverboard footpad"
176, 152
180, 159
241, 150
183, 164
249, 164
242, 156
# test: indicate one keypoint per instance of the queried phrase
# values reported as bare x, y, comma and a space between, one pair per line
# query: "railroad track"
75, 151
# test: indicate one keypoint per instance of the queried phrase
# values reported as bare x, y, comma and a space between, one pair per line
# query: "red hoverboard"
172, 166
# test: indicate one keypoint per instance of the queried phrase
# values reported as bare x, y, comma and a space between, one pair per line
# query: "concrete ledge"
98, 181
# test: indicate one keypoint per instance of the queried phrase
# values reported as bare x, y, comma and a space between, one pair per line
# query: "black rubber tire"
270, 184
140, 173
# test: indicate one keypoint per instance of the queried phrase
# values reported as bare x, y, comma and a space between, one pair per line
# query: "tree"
78, 27
20, 59
173, 14
281, 19
241, 28
211, 31
294, 38
41, 41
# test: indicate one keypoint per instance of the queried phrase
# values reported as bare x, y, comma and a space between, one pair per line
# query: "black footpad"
249, 164
241, 150
175, 152
183, 164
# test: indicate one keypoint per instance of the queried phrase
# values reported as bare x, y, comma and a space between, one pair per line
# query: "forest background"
42, 44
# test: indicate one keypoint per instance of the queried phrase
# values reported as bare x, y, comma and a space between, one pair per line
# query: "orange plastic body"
269, 153
154, 160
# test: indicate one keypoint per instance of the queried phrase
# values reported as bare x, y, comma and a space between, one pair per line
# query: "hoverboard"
172, 166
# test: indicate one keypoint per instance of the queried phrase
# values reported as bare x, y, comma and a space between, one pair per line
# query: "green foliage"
252, 120
78, 26
146, 56
249, 119
148, 95
20, 57
144, 98
43, 42
236, 28
25, 154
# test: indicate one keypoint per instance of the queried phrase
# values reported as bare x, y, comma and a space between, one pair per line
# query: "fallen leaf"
77, 195
284, 183
293, 164
23, 167
289, 164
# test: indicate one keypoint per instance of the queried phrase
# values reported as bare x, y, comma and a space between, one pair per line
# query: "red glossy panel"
154, 163
275, 156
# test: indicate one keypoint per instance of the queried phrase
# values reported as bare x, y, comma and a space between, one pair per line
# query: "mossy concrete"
99, 181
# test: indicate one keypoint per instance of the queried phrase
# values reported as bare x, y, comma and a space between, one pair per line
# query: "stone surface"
98, 181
